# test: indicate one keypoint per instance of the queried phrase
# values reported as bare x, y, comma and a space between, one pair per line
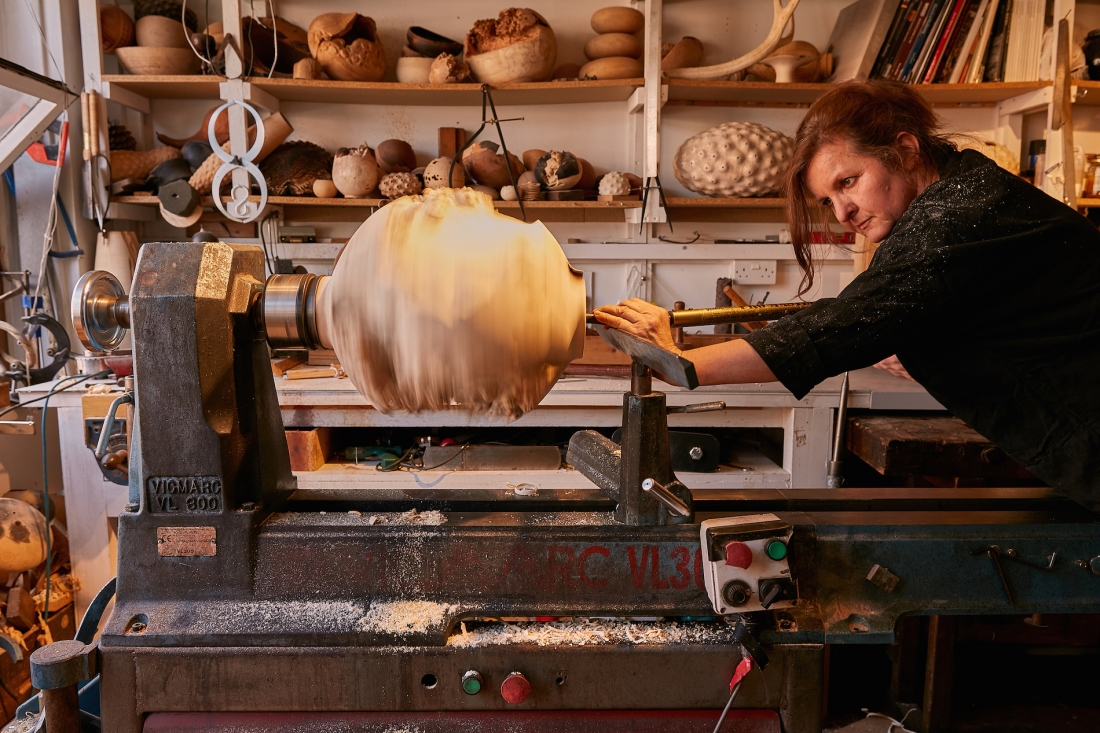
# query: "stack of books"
962, 41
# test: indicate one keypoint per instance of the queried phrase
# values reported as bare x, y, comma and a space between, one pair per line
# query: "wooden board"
928, 446
309, 449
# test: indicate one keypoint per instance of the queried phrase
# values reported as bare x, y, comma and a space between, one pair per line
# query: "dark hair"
870, 115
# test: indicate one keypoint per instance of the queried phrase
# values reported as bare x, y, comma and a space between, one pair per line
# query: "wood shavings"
439, 301
585, 632
402, 617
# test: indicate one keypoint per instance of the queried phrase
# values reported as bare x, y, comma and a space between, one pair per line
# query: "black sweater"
988, 291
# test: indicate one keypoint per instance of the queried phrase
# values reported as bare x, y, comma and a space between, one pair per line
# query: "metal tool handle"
735, 314
698, 407
662, 494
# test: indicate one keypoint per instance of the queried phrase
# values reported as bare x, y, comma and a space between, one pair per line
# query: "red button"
515, 688
738, 555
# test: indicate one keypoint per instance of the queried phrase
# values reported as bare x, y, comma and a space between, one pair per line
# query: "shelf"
351, 92
309, 208
168, 87
723, 210
770, 94
725, 203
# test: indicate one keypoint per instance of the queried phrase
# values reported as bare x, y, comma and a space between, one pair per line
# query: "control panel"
745, 564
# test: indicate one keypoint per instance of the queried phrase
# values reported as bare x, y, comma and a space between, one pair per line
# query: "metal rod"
834, 480
674, 503
736, 314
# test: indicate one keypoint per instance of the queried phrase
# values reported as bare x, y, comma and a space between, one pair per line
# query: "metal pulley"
290, 311
100, 311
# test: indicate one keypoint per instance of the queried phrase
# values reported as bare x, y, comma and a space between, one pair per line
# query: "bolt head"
132, 507
1094, 565
696, 453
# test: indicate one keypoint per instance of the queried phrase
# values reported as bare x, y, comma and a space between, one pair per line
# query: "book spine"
917, 73
963, 61
922, 38
946, 37
910, 38
954, 49
889, 44
977, 69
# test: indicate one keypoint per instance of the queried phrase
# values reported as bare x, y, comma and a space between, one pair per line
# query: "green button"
471, 683
777, 549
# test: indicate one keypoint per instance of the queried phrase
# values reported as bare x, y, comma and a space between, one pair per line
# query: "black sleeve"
878, 314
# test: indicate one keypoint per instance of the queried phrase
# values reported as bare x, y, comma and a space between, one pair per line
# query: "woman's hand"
639, 318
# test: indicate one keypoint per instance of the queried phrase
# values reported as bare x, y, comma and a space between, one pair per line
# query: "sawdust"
27, 724
401, 617
586, 632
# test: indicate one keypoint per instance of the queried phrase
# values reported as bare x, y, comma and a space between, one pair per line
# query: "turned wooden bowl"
147, 61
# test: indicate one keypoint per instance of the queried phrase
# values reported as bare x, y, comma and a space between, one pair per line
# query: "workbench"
93, 504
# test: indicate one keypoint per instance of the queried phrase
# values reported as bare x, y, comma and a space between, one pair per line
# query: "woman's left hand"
639, 318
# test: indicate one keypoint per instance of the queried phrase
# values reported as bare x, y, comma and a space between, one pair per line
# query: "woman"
986, 288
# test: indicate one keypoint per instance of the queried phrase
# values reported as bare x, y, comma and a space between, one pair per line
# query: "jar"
1091, 189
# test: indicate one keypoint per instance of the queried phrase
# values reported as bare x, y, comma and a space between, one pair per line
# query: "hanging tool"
487, 103
663, 201
995, 553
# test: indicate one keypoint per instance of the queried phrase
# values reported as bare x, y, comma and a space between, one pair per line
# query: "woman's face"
867, 197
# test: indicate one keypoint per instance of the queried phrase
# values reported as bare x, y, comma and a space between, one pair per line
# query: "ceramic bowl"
158, 61
413, 70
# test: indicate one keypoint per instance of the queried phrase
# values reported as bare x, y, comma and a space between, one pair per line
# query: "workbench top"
870, 388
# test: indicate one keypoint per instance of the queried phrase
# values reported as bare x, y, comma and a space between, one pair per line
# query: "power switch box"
746, 565
754, 272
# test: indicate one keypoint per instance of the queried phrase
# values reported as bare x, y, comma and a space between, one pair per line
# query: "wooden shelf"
309, 208
723, 210
168, 87
770, 94
725, 203
391, 93
350, 92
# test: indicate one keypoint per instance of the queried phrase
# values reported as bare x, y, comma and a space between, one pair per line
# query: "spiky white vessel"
735, 159
614, 184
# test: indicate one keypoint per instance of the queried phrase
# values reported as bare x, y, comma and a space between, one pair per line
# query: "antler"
783, 17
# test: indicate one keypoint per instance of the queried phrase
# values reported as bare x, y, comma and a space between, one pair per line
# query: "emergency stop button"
515, 688
738, 555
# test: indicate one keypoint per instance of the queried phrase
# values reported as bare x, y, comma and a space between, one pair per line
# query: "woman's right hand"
639, 318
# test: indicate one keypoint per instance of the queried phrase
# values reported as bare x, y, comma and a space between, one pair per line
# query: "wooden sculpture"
439, 302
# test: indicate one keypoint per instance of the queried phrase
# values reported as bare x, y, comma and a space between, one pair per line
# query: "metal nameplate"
185, 494
187, 541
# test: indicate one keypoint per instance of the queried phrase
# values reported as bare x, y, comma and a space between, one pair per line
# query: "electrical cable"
274, 37
45, 43
45, 475
82, 378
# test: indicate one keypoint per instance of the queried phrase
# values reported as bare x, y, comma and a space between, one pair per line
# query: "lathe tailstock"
241, 607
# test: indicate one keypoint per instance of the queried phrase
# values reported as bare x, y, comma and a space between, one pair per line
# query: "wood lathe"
242, 607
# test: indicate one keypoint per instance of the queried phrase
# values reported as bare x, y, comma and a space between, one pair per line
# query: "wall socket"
754, 272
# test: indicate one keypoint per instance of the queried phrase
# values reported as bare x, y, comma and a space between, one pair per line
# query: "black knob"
736, 593
776, 589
